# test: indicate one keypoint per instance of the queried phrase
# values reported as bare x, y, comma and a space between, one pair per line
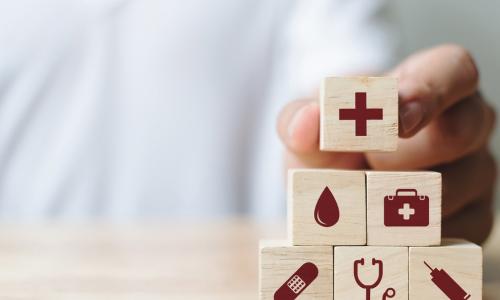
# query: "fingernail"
295, 120
408, 89
411, 115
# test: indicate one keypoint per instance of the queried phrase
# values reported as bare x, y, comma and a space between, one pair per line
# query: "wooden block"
279, 263
456, 267
315, 222
359, 114
404, 208
391, 267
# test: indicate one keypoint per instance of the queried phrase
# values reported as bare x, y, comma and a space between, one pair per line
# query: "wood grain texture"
278, 261
462, 260
394, 272
174, 260
339, 93
348, 187
381, 184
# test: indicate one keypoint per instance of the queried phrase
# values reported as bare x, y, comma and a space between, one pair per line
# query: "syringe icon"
447, 284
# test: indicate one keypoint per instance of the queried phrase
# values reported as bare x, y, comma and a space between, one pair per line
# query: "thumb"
298, 128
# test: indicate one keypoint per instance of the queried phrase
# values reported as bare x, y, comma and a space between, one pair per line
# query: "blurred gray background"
473, 24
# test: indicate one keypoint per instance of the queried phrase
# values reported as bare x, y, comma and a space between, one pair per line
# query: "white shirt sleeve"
318, 38
337, 37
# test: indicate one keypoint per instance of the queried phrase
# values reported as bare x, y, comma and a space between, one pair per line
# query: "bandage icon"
297, 283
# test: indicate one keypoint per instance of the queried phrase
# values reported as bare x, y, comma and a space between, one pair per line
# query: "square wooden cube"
359, 114
285, 271
404, 208
326, 207
450, 271
368, 265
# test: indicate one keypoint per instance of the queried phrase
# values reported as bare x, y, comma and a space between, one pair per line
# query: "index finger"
432, 81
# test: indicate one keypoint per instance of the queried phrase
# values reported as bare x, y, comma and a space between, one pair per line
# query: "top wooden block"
359, 114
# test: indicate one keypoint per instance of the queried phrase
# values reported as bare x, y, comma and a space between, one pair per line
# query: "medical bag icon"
297, 283
406, 208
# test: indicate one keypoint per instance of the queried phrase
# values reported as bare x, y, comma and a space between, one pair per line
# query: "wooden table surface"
155, 261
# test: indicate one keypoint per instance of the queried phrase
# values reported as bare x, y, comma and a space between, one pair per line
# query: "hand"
444, 125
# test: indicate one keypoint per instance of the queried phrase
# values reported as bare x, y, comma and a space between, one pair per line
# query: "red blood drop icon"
326, 212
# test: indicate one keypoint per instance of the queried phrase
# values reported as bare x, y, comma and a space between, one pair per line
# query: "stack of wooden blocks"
365, 234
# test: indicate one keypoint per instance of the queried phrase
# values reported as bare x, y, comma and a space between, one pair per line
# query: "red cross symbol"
360, 114
406, 211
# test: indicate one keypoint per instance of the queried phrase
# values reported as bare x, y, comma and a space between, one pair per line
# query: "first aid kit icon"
406, 208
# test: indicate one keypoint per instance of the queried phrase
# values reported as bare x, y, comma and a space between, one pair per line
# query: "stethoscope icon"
389, 293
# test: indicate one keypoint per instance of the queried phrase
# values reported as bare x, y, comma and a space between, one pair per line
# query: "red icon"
297, 283
447, 284
360, 113
389, 293
326, 212
406, 208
